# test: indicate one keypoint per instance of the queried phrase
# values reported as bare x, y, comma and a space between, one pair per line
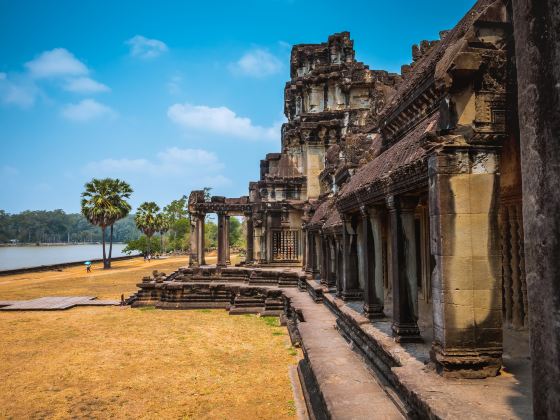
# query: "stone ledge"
426, 393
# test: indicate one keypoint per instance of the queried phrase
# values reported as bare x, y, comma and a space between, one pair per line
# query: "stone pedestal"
466, 282
404, 274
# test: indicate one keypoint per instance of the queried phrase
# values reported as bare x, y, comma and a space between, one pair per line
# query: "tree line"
106, 217
57, 226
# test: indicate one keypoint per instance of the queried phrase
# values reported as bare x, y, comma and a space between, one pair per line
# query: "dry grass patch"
113, 362
74, 281
143, 363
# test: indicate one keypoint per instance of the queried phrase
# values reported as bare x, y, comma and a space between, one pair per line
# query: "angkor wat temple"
400, 197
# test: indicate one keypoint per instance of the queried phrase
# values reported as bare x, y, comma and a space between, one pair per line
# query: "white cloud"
57, 67
220, 120
85, 85
86, 110
19, 91
143, 47
56, 63
174, 85
189, 167
257, 63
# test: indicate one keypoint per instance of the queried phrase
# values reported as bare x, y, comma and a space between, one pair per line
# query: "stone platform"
54, 303
352, 367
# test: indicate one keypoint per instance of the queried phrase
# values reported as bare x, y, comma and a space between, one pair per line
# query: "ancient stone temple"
329, 97
398, 203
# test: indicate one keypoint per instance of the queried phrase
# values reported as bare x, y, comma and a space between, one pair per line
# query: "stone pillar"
332, 262
350, 284
310, 253
325, 268
377, 236
373, 306
339, 266
269, 253
226, 234
536, 25
250, 237
465, 243
222, 240
304, 250
317, 269
404, 275
193, 254
200, 219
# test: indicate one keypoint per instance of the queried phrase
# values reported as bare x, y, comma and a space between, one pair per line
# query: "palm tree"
103, 203
121, 190
146, 219
163, 223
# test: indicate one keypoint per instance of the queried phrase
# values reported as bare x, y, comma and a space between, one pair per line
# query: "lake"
12, 257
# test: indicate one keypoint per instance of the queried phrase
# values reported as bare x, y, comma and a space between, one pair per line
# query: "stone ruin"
400, 195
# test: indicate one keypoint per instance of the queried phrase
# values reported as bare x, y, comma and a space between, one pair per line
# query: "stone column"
373, 305
304, 249
310, 253
226, 234
465, 243
318, 255
404, 276
326, 260
250, 235
536, 25
193, 254
269, 250
200, 238
222, 240
339, 266
377, 236
350, 284
332, 262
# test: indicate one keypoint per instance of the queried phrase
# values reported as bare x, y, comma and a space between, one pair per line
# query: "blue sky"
168, 95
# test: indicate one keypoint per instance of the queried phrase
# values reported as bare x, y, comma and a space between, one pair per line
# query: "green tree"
142, 245
103, 203
177, 213
163, 224
121, 191
211, 234
235, 232
146, 220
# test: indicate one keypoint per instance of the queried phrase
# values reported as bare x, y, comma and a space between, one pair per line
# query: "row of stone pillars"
197, 251
465, 256
335, 259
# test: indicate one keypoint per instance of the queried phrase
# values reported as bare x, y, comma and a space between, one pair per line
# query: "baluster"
506, 268
517, 318
522, 264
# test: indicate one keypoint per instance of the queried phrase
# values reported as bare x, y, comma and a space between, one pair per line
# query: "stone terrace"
357, 372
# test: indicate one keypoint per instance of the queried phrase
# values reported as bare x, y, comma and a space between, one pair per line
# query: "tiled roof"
427, 64
406, 151
322, 212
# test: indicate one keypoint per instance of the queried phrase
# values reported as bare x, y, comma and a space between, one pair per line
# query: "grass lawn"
136, 363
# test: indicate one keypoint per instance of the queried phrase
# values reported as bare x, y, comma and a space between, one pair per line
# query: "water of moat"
14, 257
